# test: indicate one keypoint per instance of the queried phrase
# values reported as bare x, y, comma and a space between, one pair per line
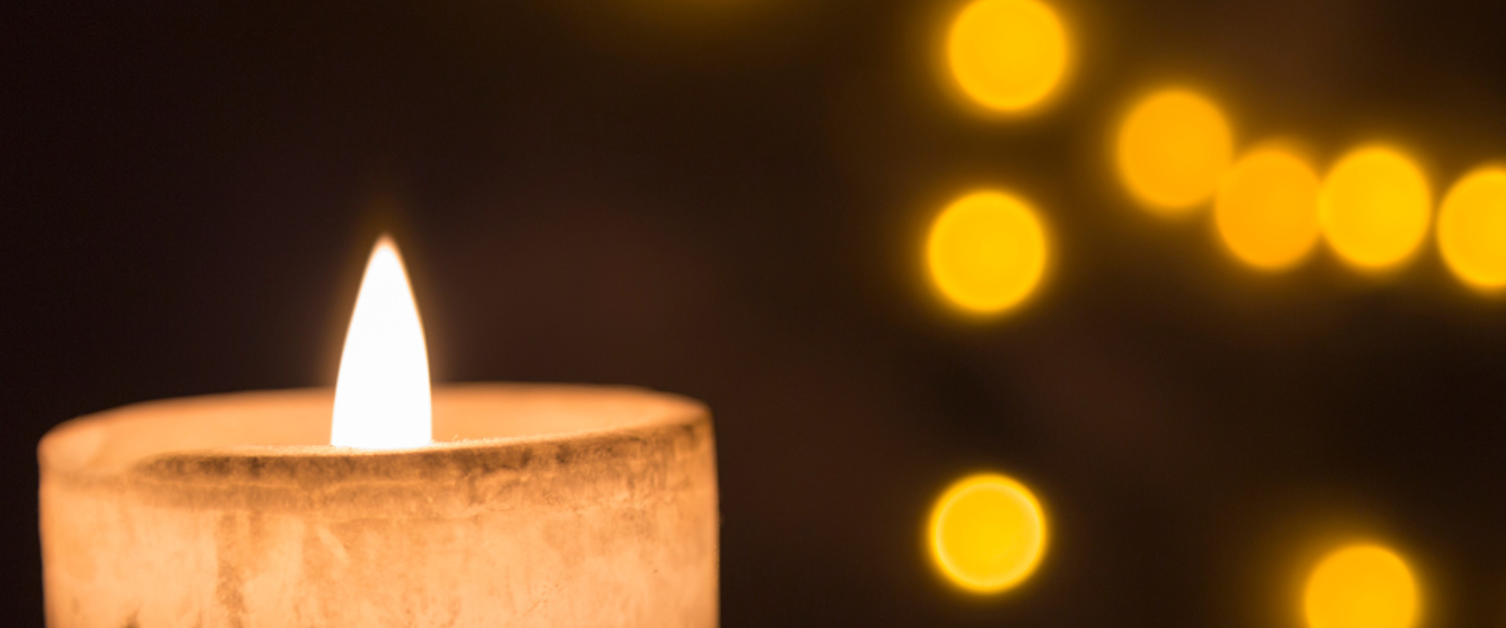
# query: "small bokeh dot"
1472, 228
987, 252
1374, 208
1266, 209
987, 533
1008, 55
1172, 149
1361, 586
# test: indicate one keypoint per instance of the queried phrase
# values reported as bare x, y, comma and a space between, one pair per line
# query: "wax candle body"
536, 506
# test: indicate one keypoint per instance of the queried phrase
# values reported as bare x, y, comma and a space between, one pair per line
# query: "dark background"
726, 199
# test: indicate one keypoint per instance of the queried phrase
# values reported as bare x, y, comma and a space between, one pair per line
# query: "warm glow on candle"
382, 394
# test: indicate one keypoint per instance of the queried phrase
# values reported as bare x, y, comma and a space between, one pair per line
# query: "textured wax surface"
539, 506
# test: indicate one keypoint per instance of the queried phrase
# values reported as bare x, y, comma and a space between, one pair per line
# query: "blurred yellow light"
1472, 228
1374, 208
1361, 586
987, 251
1009, 55
987, 533
1172, 149
1266, 209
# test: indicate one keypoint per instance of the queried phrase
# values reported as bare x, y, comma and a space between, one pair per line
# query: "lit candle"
514, 505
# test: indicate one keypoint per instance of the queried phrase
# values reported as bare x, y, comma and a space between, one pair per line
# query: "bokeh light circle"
987, 533
1266, 208
1361, 586
1008, 55
1472, 228
987, 252
1374, 208
1172, 149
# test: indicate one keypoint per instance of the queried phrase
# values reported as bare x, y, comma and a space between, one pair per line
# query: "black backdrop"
725, 198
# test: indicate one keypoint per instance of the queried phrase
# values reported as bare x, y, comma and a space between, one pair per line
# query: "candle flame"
382, 394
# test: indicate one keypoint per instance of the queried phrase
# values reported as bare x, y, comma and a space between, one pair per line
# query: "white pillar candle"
534, 506
375, 505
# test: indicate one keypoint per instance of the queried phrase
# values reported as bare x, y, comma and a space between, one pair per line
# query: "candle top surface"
294, 424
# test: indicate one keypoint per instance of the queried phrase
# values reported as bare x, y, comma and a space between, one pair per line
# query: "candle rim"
657, 410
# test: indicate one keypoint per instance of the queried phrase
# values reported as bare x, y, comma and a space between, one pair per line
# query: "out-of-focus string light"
1361, 586
1008, 55
1374, 208
987, 252
1266, 208
1472, 228
1172, 149
987, 533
